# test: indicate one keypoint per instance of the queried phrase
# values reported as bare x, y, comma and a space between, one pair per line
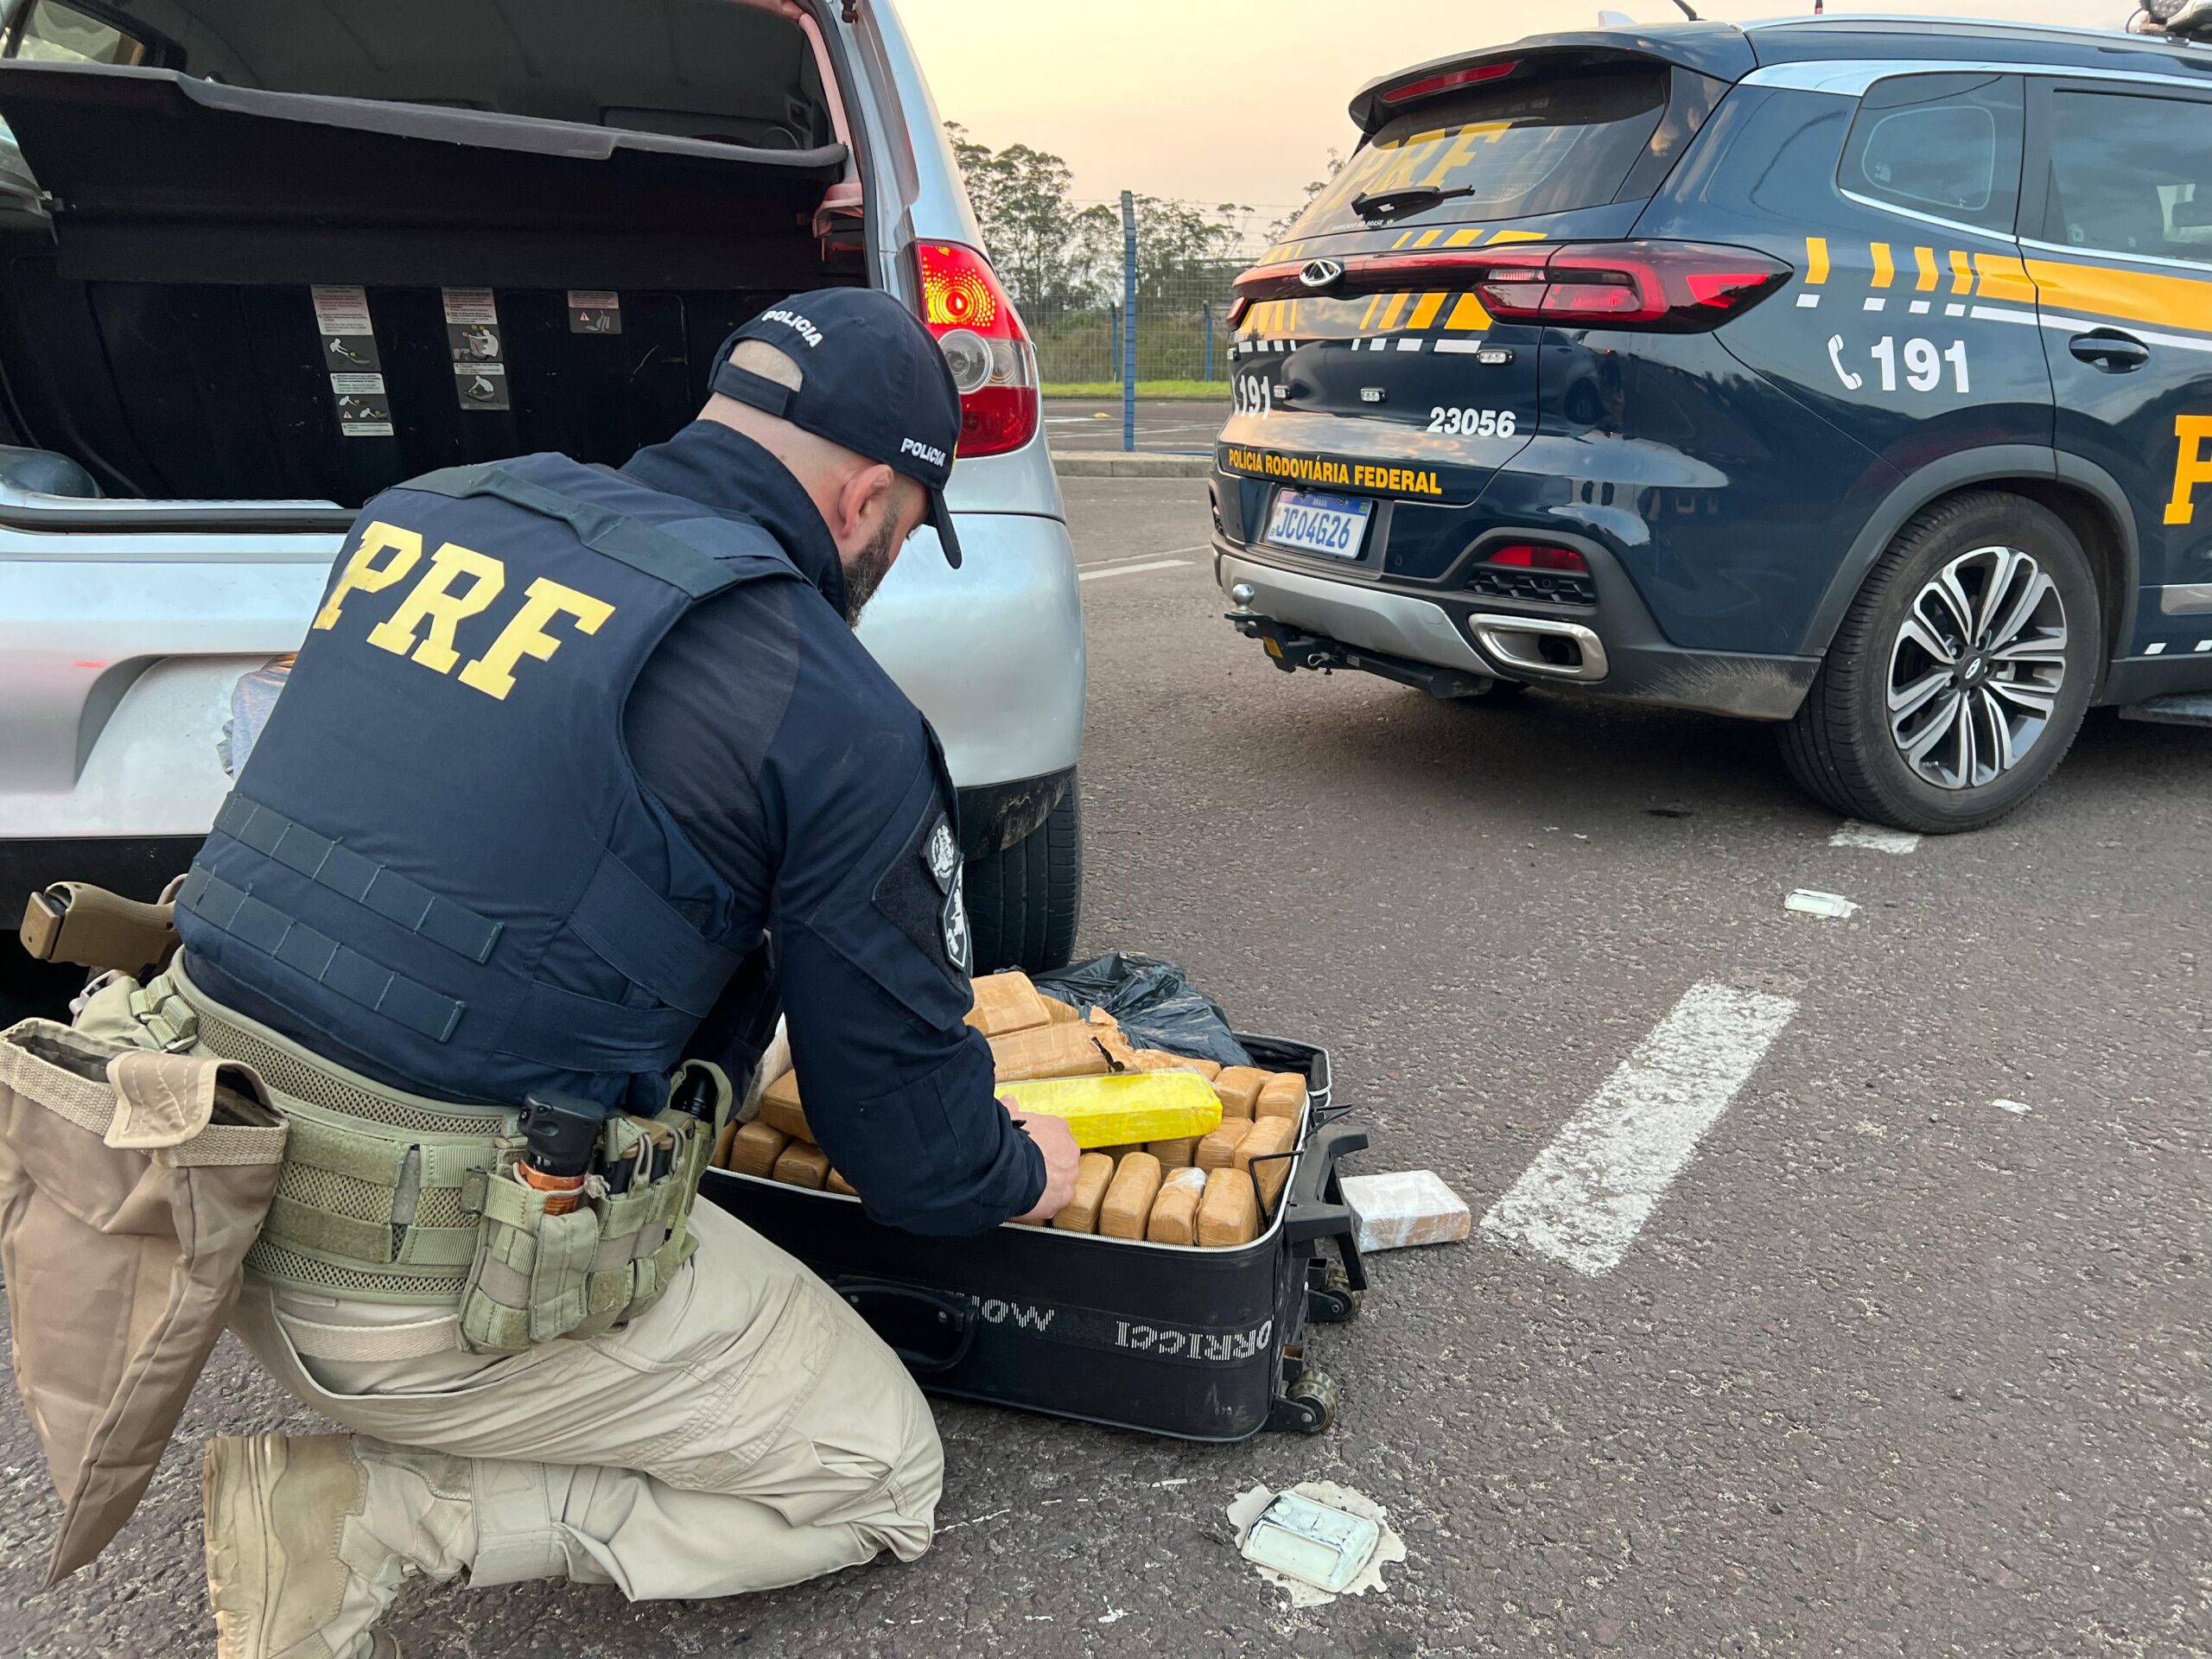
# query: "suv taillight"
1667, 287
1671, 287
992, 363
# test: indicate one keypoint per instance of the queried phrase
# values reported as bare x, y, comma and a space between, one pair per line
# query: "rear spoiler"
1718, 50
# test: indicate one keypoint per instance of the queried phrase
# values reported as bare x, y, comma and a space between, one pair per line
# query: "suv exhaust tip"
1537, 645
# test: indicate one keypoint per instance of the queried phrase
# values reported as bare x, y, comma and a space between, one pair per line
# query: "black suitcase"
1200, 1345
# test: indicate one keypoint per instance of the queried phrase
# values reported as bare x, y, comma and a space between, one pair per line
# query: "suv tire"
1024, 903
1936, 708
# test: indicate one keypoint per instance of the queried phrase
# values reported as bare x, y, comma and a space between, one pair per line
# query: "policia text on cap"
580, 774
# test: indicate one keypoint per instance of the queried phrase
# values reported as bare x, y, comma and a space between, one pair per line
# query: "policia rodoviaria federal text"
580, 775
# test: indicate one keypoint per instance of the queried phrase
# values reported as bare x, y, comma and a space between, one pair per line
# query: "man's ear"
867, 488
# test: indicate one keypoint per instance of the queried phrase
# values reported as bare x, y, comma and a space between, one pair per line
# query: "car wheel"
1961, 674
1023, 903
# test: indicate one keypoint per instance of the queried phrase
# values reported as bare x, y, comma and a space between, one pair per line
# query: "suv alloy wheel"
1961, 674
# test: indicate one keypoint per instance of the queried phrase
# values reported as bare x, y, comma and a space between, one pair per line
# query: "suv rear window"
1538, 146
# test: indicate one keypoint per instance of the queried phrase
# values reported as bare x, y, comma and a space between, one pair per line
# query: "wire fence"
1174, 277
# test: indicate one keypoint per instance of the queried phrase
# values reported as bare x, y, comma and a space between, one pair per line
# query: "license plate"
1334, 525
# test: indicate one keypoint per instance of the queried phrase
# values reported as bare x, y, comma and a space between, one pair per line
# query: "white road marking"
1588, 1194
2012, 1106
1833, 905
1873, 838
1131, 569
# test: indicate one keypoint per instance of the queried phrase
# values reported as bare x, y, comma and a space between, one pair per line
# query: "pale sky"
1240, 100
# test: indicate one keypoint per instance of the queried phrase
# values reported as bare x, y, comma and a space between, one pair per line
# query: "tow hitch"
1291, 649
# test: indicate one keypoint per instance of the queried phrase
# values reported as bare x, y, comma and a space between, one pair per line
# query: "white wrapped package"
1411, 1207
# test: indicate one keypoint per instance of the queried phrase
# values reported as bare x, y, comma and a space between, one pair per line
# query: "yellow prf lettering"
494, 672
433, 601
363, 573
2192, 466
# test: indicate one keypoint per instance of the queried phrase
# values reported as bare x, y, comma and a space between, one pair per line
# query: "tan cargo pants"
749, 1431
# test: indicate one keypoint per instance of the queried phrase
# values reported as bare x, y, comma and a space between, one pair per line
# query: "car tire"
1024, 903
1936, 708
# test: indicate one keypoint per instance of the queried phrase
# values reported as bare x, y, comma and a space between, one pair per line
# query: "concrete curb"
1118, 464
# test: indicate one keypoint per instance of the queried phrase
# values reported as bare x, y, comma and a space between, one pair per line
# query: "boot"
309, 1539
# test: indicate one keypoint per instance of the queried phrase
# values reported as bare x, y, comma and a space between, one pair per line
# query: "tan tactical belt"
391, 1197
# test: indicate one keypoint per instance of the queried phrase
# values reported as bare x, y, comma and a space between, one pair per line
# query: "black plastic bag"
1157, 1005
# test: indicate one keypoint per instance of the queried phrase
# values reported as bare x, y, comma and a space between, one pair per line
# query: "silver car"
261, 262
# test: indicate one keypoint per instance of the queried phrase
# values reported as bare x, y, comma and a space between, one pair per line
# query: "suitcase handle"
1314, 1207
900, 1307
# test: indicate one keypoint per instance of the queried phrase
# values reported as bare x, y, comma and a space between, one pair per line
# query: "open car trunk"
231, 294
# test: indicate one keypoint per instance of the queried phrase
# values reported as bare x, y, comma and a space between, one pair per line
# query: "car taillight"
1405, 92
1540, 555
1668, 287
992, 363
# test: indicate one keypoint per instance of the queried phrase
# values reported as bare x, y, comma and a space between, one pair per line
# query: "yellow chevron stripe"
1516, 236
1404, 237
1427, 238
1368, 320
2004, 277
1817, 259
1463, 238
1425, 313
1468, 314
1883, 268
2130, 295
1397, 308
1925, 259
1961, 274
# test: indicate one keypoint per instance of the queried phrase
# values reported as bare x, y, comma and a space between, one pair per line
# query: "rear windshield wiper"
1397, 204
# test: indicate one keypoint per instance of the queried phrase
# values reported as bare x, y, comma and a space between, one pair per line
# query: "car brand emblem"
1320, 273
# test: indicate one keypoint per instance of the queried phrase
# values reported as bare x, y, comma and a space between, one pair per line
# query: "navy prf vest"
438, 856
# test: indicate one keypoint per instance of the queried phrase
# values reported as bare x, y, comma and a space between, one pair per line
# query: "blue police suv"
1854, 375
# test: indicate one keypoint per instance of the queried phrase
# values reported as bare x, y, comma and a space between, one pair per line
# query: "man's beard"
865, 572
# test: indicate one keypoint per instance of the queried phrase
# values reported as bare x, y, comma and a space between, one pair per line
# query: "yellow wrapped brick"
1121, 1111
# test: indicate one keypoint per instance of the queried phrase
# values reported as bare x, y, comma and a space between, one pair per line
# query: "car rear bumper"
1612, 647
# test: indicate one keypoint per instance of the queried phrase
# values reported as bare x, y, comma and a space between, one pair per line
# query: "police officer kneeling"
580, 773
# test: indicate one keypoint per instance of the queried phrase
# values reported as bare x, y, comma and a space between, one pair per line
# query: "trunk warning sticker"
481, 385
364, 410
349, 355
591, 312
473, 324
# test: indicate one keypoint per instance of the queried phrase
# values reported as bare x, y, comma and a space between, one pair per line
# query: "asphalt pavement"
1897, 1344
1169, 425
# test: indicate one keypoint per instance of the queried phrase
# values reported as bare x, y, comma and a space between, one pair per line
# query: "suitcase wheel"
1307, 1407
1332, 1301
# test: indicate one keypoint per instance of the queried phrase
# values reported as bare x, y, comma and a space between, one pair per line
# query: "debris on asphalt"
1810, 903
2012, 1106
1408, 1207
1873, 838
1316, 1540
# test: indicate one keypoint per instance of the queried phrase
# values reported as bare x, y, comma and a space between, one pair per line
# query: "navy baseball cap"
876, 385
